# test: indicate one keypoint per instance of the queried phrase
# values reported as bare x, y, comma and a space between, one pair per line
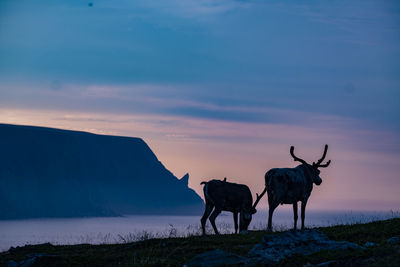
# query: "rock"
216, 258
126, 166
12, 263
39, 255
29, 262
26, 263
369, 244
322, 264
276, 247
394, 240
185, 180
327, 263
255, 262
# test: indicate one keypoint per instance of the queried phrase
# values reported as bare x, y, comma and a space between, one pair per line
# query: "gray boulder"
369, 244
394, 240
276, 247
32, 260
12, 263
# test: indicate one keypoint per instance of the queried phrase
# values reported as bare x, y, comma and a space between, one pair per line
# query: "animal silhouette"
291, 185
225, 196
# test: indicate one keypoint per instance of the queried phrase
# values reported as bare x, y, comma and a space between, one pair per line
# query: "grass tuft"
175, 251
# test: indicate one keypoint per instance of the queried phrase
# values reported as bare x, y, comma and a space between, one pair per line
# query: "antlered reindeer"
225, 196
291, 185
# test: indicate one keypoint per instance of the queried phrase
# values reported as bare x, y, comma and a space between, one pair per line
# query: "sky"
219, 88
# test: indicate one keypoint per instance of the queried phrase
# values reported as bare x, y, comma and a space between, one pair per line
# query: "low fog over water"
108, 230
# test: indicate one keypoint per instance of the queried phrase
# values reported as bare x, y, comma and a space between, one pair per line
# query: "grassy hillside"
177, 251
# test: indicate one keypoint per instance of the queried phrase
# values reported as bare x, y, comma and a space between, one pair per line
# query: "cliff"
47, 172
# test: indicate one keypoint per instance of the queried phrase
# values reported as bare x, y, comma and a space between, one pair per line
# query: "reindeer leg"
235, 219
212, 218
272, 206
295, 215
303, 212
207, 211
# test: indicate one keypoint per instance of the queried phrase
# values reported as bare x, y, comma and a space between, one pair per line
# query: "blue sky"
334, 57
178, 66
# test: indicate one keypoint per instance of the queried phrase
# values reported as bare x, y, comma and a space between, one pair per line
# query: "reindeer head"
312, 169
244, 220
246, 214
245, 217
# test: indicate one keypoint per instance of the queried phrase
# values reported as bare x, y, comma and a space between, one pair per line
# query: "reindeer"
291, 185
224, 196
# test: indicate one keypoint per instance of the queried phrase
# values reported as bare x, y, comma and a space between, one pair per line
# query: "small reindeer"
225, 196
291, 185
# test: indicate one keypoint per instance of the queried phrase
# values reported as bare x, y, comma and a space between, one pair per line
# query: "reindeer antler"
324, 165
318, 164
259, 197
296, 158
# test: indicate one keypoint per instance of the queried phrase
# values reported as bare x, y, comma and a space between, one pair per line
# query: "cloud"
195, 9
244, 151
238, 75
176, 100
343, 106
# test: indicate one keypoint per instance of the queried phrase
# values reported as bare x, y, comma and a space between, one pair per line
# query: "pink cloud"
360, 175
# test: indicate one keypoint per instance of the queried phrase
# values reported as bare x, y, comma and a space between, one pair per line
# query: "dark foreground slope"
178, 251
47, 172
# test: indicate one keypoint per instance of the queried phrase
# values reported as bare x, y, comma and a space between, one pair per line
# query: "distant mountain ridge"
47, 172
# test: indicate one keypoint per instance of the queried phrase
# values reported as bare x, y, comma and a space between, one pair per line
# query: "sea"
130, 228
